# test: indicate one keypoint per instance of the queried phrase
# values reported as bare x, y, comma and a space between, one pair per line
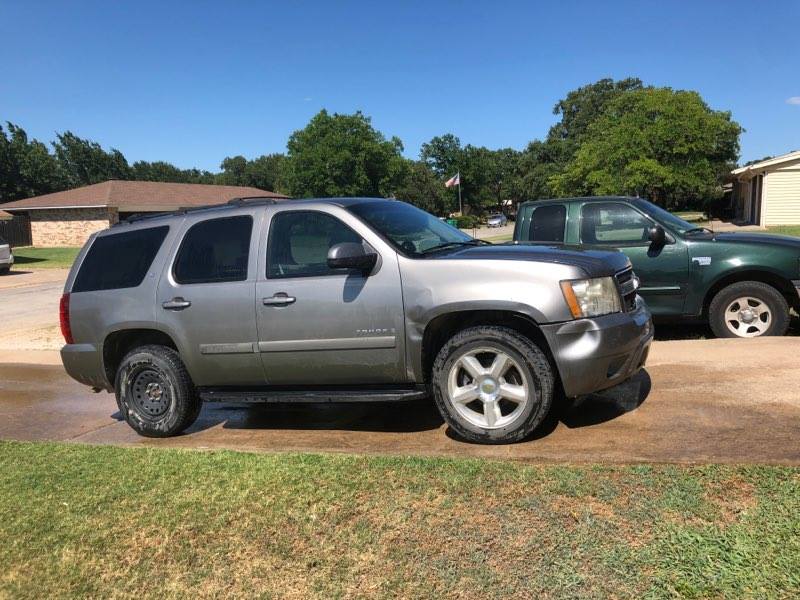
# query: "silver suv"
344, 299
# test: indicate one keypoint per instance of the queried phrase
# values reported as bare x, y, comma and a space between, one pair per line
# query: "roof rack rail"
182, 211
251, 200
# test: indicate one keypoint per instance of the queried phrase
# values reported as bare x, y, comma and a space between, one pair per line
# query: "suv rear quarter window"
119, 260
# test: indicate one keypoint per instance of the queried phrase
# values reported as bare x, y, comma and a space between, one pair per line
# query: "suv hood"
594, 262
761, 239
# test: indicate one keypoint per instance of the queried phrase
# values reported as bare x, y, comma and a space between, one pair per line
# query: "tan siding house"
68, 218
767, 193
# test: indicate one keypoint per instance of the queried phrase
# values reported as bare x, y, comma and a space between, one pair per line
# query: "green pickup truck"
743, 284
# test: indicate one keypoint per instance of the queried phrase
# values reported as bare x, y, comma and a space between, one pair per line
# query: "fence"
16, 231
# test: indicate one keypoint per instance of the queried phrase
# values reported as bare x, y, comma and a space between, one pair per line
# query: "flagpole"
460, 209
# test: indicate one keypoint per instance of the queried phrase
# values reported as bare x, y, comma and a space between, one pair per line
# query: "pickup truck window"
410, 230
548, 223
214, 251
664, 217
299, 242
613, 223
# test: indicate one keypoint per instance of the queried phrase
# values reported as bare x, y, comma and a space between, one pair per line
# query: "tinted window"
119, 260
548, 224
299, 243
215, 250
613, 223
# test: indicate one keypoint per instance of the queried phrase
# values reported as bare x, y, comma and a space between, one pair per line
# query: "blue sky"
197, 81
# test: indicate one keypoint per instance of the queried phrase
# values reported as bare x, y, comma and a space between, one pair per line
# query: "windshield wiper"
455, 245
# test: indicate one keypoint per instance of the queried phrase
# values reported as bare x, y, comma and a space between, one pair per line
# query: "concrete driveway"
699, 401
29, 309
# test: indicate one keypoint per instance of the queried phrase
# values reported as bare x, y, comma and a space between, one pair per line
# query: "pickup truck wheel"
155, 393
4, 270
492, 385
748, 309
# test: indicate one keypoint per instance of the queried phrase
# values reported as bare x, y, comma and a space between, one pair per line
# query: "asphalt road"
698, 401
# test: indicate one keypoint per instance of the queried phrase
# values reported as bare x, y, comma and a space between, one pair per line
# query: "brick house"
68, 218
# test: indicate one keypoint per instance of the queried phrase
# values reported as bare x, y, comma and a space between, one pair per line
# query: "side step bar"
314, 395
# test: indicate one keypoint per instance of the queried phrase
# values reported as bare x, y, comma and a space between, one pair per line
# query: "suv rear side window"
214, 251
613, 223
548, 223
299, 242
120, 260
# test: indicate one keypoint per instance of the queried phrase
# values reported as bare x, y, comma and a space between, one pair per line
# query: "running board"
313, 396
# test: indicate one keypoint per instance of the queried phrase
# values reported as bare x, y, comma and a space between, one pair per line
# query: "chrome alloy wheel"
487, 387
748, 317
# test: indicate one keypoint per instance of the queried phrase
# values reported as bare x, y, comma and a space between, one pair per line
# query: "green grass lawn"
785, 230
78, 521
31, 257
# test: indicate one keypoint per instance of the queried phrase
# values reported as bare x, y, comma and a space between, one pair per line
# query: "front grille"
628, 284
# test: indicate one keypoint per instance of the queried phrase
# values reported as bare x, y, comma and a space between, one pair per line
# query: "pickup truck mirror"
657, 235
349, 255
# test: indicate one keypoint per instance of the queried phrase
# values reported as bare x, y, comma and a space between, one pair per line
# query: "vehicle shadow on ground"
414, 416
667, 331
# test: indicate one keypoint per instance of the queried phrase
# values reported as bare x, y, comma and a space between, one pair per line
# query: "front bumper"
594, 354
84, 363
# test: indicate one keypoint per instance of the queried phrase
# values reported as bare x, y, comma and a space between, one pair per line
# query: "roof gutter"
8, 208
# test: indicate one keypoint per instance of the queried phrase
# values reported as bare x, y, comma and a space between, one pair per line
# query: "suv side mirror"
657, 235
349, 255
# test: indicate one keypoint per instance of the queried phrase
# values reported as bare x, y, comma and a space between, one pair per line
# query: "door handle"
176, 304
278, 300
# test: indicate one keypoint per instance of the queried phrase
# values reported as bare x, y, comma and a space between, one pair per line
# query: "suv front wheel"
155, 394
492, 385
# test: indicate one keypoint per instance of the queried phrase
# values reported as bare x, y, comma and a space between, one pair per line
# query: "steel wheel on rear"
487, 388
748, 317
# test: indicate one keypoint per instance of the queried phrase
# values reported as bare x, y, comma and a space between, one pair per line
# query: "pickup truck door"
318, 326
663, 272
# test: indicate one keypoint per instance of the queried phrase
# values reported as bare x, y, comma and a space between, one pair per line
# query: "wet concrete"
699, 401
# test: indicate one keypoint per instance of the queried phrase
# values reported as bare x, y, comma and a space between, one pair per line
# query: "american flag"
454, 180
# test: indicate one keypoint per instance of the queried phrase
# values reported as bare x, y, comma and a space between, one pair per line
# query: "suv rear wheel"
492, 385
748, 309
155, 393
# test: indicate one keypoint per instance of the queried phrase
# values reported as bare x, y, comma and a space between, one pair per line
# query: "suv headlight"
591, 297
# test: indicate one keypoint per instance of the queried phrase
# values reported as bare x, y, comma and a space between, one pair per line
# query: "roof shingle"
140, 196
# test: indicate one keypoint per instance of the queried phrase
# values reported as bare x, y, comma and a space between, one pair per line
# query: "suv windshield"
659, 214
410, 230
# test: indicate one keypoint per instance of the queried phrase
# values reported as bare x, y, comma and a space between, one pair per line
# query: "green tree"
583, 106
423, 188
85, 162
266, 172
168, 173
26, 167
657, 142
343, 155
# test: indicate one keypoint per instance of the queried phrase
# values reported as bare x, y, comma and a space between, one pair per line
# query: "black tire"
533, 369
4, 270
162, 414
772, 298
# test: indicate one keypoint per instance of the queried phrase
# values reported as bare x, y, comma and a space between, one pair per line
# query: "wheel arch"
118, 343
781, 284
443, 326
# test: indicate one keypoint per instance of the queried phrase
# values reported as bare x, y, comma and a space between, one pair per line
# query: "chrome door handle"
176, 304
278, 300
